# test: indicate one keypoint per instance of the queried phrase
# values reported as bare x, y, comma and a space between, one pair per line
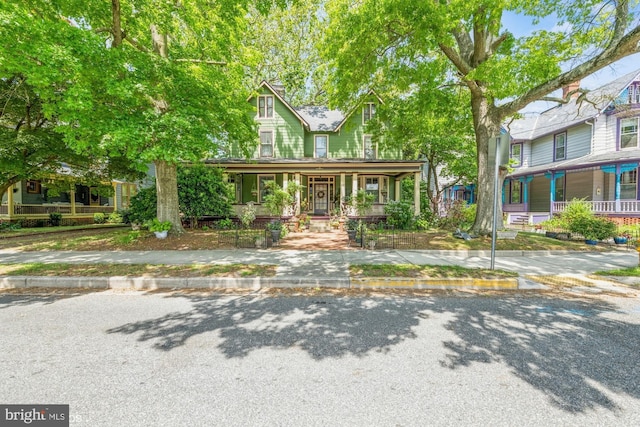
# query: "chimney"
279, 88
569, 88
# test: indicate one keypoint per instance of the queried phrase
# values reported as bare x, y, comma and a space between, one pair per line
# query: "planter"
135, 226
275, 235
351, 234
161, 234
591, 242
619, 240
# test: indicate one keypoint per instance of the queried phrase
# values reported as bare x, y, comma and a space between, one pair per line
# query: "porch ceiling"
319, 166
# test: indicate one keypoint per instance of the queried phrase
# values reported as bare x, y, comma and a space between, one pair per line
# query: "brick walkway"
307, 240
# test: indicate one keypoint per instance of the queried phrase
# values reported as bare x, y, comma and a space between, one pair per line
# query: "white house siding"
539, 194
579, 185
578, 141
604, 140
542, 151
526, 154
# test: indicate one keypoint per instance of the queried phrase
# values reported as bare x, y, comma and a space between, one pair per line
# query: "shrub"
593, 228
224, 224
99, 218
143, 206
248, 215
399, 214
157, 225
55, 218
460, 215
115, 218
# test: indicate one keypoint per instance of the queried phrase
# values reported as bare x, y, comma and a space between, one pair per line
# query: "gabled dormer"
281, 128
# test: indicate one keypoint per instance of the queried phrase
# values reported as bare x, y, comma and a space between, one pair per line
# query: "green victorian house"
328, 153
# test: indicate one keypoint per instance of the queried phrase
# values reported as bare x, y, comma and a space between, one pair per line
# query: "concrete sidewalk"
317, 268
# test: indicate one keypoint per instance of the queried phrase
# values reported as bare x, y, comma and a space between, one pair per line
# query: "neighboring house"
587, 150
29, 201
325, 151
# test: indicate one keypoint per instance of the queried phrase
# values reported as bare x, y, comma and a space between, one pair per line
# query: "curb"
150, 283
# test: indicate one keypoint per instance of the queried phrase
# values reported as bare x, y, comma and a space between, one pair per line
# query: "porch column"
296, 178
617, 191
525, 180
9, 200
504, 192
72, 196
115, 196
354, 185
552, 189
416, 192
343, 188
472, 195
285, 181
397, 183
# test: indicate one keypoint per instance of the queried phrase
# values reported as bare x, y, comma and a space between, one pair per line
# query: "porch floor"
309, 240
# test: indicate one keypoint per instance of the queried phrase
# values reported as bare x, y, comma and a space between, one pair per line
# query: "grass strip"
138, 270
622, 272
426, 271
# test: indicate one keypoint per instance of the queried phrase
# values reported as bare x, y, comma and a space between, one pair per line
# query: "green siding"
288, 130
292, 141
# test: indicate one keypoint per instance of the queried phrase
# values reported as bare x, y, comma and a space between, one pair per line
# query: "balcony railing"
604, 207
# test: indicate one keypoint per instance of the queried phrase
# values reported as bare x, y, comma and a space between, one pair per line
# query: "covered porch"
609, 187
325, 184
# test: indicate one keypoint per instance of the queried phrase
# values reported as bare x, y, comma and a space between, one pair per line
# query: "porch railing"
20, 209
604, 207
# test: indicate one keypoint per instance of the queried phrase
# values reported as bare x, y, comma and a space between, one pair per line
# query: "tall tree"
371, 40
431, 123
284, 42
159, 81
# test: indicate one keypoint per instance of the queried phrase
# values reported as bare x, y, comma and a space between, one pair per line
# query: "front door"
321, 199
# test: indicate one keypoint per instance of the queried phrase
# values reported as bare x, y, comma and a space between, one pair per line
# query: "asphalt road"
163, 359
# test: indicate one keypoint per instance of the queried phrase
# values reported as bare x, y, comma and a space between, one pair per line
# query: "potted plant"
275, 227
159, 228
352, 226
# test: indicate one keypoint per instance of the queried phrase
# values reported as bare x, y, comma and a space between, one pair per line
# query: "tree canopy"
383, 42
156, 81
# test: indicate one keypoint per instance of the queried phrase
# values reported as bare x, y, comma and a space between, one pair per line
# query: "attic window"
265, 106
368, 111
634, 94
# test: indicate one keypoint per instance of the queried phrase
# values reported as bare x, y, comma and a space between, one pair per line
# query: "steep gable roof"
271, 89
572, 113
321, 119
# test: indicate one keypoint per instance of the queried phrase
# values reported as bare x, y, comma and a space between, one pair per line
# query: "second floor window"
629, 133
369, 148
321, 146
516, 154
266, 143
368, 111
265, 106
560, 146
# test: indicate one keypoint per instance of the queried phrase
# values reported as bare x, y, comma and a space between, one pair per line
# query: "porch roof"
584, 162
313, 166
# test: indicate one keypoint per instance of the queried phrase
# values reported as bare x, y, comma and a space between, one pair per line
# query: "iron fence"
383, 236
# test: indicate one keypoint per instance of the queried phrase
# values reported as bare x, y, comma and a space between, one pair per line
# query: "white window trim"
374, 144
637, 133
519, 158
555, 146
266, 109
315, 152
271, 177
370, 104
273, 143
383, 185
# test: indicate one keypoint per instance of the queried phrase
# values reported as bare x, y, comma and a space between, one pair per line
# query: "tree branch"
201, 61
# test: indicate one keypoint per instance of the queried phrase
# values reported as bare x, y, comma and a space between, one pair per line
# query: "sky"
522, 25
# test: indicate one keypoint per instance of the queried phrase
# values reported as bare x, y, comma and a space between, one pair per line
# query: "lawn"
128, 240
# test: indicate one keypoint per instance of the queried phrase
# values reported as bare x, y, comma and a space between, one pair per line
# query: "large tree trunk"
167, 191
486, 122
